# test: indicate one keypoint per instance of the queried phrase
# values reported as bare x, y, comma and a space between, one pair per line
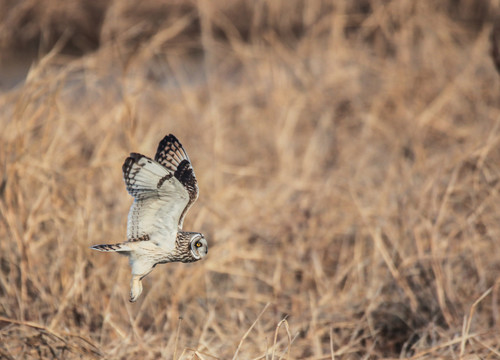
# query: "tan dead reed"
348, 156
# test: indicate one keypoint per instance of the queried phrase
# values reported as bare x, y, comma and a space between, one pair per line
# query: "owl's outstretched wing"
159, 201
172, 156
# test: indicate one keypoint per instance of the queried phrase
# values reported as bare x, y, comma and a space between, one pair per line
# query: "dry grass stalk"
348, 157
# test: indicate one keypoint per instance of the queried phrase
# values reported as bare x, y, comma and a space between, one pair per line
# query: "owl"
163, 190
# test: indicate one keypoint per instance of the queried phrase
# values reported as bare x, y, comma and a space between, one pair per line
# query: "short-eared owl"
163, 189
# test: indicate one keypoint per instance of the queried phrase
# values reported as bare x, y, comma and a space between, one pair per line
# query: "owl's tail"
111, 247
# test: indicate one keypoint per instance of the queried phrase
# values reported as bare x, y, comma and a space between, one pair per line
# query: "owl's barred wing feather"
160, 199
143, 176
171, 155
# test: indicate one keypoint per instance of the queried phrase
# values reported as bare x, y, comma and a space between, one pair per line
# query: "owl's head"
198, 245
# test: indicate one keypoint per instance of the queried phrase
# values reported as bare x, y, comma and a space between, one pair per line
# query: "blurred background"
348, 159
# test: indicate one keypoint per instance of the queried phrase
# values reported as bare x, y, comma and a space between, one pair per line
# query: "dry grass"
348, 156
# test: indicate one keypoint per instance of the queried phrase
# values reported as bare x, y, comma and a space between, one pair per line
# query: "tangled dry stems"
348, 158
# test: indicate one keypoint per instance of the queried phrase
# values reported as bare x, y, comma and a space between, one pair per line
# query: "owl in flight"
163, 189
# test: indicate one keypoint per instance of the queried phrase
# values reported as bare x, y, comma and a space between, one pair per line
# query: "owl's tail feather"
111, 247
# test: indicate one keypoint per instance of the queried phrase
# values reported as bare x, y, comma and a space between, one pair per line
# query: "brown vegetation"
348, 156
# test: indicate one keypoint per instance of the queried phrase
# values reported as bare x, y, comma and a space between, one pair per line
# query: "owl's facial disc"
199, 246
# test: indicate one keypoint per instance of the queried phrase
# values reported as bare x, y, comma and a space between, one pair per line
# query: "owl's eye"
198, 244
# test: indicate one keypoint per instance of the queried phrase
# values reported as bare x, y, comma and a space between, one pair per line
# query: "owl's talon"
135, 288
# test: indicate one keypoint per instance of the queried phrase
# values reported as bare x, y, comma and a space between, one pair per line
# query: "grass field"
348, 157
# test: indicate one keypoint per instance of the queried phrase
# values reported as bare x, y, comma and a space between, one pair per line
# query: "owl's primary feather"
172, 155
163, 189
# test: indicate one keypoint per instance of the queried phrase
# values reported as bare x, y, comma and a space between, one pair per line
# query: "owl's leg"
142, 265
135, 287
